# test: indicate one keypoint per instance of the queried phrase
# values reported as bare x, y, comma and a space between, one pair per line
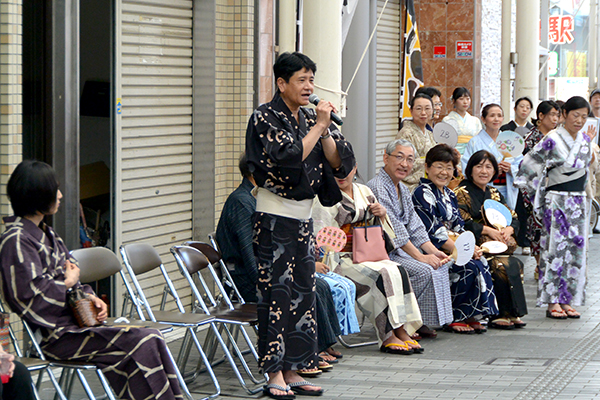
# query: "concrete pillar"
505, 67
322, 42
357, 127
287, 26
526, 74
544, 42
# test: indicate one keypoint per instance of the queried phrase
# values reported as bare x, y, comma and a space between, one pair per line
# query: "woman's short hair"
575, 103
429, 91
287, 64
32, 187
460, 92
523, 99
486, 110
544, 108
391, 146
477, 158
440, 152
420, 96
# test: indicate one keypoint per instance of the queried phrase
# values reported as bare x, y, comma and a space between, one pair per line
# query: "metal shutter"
153, 133
388, 75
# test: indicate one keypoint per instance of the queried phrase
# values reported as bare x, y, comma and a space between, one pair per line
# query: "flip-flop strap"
401, 345
301, 383
278, 387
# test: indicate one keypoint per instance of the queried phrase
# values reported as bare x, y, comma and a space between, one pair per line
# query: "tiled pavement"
548, 359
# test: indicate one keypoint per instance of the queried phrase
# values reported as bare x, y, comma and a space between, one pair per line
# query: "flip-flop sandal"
563, 315
426, 332
267, 392
518, 323
450, 328
334, 353
506, 327
334, 361
295, 387
309, 373
571, 310
477, 327
326, 367
416, 350
403, 350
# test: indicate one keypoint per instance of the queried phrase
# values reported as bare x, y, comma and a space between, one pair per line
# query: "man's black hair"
32, 187
287, 64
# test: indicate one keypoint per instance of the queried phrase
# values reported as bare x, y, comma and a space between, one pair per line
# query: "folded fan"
331, 239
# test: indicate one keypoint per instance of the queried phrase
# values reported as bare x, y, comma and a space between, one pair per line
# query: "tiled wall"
442, 23
266, 38
234, 91
10, 95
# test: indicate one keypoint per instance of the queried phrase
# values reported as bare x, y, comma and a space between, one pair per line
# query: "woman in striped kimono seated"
383, 292
37, 271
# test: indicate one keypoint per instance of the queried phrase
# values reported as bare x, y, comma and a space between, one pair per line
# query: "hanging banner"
412, 74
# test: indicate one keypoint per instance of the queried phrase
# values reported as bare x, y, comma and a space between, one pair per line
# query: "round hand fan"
510, 144
464, 247
497, 214
494, 247
331, 240
445, 133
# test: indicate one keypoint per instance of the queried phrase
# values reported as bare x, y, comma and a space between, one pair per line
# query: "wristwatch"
327, 135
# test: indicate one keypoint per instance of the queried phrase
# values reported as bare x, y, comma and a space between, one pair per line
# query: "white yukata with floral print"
562, 212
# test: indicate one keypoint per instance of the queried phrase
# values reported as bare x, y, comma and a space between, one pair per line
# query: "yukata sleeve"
31, 291
424, 202
534, 167
345, 152
244, 214
390, 201
415, 227
464, 206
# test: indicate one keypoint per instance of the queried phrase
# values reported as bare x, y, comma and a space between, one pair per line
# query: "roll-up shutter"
153, 139
389, 33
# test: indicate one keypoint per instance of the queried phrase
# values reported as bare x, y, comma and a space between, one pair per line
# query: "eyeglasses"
401, 158
440, 168
421, 109
438, 105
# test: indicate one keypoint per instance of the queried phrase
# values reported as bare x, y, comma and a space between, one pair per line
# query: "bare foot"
570, 311
406, 338
292, 376
277, 379
461, 326
395, 339
326, 356
333, 352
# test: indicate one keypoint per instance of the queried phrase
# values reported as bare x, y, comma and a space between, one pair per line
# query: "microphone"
314, 99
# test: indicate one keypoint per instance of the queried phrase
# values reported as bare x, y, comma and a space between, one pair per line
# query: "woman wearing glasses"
416, 132
553, 176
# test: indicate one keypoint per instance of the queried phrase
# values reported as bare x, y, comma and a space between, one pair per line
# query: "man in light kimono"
427, 266
492, 116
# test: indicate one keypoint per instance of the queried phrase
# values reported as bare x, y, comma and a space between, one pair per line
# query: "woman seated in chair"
386, 296
482, 169
470, 284
37, 272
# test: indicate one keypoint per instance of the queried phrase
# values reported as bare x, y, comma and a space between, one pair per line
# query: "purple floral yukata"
553, 176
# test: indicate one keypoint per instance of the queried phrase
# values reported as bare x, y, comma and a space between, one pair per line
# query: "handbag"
83, 308
368, 243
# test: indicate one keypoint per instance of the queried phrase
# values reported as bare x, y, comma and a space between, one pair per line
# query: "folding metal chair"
39, 361
141, 258
191, 263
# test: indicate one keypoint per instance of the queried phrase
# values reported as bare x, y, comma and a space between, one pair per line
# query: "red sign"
439, 51
560, 29
464, 49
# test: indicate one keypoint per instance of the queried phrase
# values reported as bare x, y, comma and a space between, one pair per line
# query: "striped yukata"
431, 286
134, 360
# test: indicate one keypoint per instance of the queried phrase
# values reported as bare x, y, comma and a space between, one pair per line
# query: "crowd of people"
299, 176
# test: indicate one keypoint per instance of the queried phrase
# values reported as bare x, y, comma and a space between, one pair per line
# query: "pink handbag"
368, 244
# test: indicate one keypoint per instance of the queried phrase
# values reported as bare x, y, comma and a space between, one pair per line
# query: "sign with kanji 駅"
560, 29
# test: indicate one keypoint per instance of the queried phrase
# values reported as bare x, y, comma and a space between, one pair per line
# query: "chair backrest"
96, 263
191, 259
140, 258
212, 252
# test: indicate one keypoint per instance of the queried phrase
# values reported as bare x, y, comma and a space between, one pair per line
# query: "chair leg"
58, 390
105, 384
240, 355
356, 345
85, 384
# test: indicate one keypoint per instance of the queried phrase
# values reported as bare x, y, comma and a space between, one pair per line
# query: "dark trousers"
287, 327
19, 386
522, 239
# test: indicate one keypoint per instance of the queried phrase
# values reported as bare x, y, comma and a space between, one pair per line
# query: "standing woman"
416, 132
492, 116
554, 173
523, 107
547, 114
465, 124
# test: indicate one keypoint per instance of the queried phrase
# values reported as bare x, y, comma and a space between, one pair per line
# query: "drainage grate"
520, 362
